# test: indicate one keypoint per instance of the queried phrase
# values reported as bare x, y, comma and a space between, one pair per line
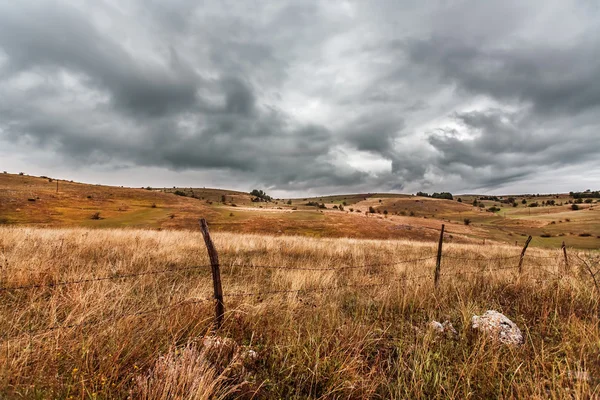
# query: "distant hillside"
551, 219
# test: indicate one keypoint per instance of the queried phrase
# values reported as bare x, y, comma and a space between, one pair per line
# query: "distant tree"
459, 200
524, 201
443, 195
223, 198
371, 210
423, 194
289, 202
259, 194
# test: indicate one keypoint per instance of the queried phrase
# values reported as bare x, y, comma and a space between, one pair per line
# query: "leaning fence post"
216, 273
564, 249
523, 254
438, 263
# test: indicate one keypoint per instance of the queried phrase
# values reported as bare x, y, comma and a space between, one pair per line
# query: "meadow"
36, 201
135, 314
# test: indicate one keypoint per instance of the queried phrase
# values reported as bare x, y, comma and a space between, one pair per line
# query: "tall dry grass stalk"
366, 339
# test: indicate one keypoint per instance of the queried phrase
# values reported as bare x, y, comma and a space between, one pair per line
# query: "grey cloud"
285, 93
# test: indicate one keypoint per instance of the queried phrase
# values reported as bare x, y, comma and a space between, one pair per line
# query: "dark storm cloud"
299, 95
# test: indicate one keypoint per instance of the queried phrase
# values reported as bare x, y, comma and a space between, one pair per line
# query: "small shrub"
567, 219
585, 234
180, 193
231, 214
89, 196
351, 209
30, 199
467, 221
289, 202
574, 207
153, 205
171, 216
371, 210
21, 173
412, 214
385, 212
545, 235
95, 215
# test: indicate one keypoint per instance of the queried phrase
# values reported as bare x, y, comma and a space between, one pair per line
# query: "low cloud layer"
304, 96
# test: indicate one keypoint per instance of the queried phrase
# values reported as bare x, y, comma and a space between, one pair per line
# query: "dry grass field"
319, 330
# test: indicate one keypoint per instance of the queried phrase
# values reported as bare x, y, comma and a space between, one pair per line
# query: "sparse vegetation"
95, 215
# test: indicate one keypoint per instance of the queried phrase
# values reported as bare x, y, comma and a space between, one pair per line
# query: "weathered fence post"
216, 273
564, 249
438, 263
523, 254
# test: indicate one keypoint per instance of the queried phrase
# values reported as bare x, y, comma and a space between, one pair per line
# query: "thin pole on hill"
438, 263
564, 249
216, 273
523, 254
57, 186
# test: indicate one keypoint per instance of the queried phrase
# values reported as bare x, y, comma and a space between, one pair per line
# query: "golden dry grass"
141, 336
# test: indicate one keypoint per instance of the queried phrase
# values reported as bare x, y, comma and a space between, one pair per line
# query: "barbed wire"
480, 258
37, 332
287, 268
387, 264
98, 279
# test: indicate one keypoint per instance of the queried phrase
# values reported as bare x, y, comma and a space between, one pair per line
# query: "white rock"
498, 326
436, 326
443, 328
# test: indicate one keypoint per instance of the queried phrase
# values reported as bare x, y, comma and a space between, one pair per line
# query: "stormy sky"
304, 96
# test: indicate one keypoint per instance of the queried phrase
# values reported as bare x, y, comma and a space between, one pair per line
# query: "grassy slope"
126, 207
351, 343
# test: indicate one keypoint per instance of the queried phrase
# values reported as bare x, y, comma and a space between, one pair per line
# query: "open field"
27, 200
319, 330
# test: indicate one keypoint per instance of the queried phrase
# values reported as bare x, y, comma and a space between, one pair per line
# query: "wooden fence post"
523, 254
564, 249
438, 263
216, 273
